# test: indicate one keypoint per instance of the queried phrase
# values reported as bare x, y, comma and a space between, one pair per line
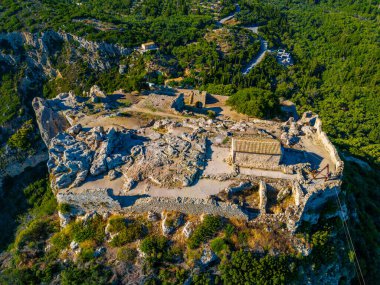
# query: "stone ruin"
185, 165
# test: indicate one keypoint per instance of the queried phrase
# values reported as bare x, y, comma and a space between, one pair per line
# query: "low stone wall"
260, 161
330, 148
91, 200
263, 197
102, 201
188, 206
297, 193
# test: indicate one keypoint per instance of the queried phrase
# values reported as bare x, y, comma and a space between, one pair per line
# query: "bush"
218, 245
23, 138
40, 198
255, 102
93, 229
128, 233
36, 231
93, 275
116, 224
244, 268
155, 248
64, 208
211, 114
60, 240
206, 230
86, 254
126, 254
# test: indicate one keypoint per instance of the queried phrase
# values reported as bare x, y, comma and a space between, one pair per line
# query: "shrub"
173, 275
245, 268
128, 233
126, 254
23, 138
218, 245
95, 274
93, 229
116, 224
40, 198
86, 254
211, 114
155, 248
64, 208
255, 102
36, 231
206, 230
60, 240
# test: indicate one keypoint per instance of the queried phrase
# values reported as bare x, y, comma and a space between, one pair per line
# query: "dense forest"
336, 73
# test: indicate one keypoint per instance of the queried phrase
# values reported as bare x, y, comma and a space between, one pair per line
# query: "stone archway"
198, 105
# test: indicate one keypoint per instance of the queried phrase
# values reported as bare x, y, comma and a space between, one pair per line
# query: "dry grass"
281, 207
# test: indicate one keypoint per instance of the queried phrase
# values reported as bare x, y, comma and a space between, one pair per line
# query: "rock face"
49, 121
73, 157
208, 256
36, 56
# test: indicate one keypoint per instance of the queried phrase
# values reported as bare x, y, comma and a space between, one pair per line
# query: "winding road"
263, 44
255, 61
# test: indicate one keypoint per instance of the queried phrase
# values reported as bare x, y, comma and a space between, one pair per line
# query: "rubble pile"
169, 160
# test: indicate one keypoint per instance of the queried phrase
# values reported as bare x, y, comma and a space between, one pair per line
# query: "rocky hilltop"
185, 164
37, 58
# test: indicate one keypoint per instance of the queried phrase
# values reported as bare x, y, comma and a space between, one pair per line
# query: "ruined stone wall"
262, 161
178, 103
263, 197
187, 205
330, 148
102, 201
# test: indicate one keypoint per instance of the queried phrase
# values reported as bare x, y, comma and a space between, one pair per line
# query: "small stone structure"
195, 98
256, 152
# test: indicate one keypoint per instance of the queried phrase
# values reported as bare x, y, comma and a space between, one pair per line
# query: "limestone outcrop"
50, 122
74, 157
184, 165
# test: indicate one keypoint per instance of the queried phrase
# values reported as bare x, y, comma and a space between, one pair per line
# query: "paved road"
222, 21
263, 44
259, 58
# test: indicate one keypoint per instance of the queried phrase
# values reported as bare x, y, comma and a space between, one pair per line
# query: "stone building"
253, 152
194, 98
163, 103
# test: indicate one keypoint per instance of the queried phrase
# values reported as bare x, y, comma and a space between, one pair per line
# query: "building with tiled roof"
256, 152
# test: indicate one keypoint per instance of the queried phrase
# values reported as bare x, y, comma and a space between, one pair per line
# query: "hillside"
234, 51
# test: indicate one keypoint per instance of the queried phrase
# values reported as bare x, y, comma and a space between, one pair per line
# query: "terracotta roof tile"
257, 145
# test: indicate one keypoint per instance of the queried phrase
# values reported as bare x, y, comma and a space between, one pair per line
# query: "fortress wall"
101, 201
90, 200
330, 148
188, 206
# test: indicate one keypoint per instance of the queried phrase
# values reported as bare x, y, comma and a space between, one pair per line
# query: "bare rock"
285, 192
188, 229
152, 216
50, 122
208, 256
113, 174
74, 130
74, 245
